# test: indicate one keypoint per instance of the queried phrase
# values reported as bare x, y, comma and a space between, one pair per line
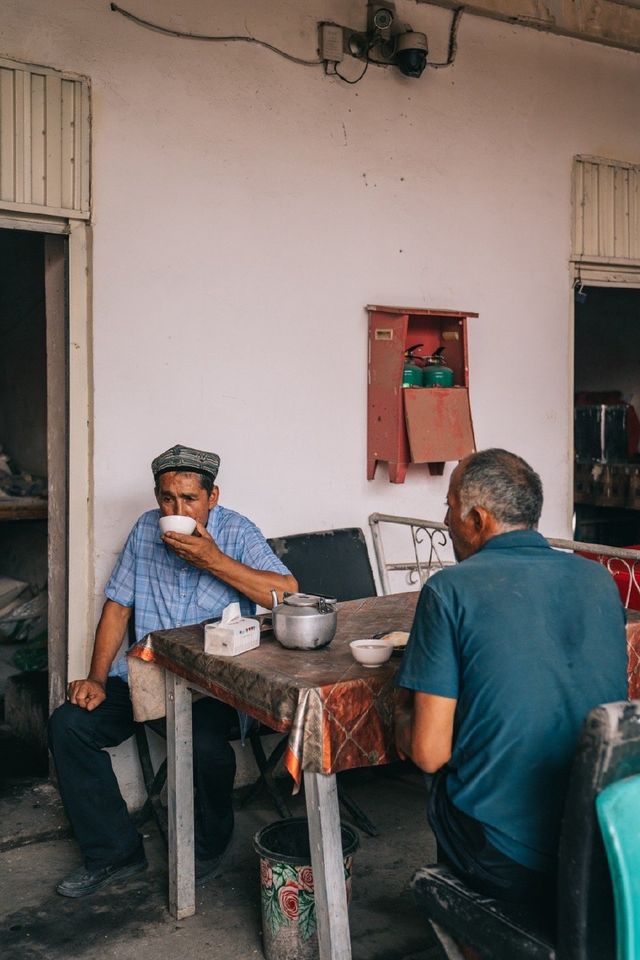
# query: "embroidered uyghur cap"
179, 457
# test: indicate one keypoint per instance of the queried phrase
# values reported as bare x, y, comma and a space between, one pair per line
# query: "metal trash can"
286, 887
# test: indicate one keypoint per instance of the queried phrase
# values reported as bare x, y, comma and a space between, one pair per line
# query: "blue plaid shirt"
169, 592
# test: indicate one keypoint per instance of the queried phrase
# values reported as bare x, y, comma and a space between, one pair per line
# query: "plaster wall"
246, 208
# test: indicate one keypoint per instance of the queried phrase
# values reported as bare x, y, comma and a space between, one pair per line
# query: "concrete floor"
131, 922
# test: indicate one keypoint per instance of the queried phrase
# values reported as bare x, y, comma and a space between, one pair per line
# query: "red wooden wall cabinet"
416, 424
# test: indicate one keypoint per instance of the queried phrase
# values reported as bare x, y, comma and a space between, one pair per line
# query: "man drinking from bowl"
166, 580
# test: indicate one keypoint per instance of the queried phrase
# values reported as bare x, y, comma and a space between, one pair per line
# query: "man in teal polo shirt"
509, 651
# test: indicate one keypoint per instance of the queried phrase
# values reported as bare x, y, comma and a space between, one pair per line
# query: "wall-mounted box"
416, 424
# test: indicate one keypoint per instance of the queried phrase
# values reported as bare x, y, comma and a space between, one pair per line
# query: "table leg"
182, 893
328, 870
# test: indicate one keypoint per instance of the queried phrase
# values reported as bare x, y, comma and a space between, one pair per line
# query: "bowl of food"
371, 652
176, 524
398, 640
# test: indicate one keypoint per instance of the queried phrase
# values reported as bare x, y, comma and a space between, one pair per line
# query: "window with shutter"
44, 141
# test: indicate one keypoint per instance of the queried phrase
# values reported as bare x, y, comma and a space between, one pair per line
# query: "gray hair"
505, 485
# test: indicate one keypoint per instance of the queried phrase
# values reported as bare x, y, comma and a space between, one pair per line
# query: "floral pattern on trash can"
289, 909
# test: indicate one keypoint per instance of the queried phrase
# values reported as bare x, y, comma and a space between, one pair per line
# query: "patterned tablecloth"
338, 713
633, 655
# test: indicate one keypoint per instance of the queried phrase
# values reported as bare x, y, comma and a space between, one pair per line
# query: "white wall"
246, 209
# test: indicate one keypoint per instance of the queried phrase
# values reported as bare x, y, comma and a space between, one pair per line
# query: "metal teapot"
304, 621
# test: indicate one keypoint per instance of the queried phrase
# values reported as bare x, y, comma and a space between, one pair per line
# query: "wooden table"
338, 714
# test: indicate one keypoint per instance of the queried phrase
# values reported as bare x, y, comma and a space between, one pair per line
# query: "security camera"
383, 18
380, 18
411, 53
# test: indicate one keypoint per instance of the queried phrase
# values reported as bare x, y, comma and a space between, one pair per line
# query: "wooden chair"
617, 808
608, 750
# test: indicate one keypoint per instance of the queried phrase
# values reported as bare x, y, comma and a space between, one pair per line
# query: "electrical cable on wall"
336, 73
167, 31
365, 54
453, 41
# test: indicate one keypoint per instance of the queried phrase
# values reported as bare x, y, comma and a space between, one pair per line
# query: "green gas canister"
412, 370
436, 373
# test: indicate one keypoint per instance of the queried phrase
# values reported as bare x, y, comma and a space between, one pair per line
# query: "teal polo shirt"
527, 639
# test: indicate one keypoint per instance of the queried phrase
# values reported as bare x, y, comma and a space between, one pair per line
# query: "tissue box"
231, 638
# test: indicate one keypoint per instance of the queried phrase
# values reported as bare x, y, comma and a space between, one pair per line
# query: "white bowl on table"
371, 652
177, 524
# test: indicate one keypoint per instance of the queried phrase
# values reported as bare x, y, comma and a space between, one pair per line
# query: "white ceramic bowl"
177, 524
371, 653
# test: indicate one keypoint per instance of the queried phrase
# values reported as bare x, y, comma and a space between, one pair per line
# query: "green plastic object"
436, 373
412, 371
618, 808
437, 377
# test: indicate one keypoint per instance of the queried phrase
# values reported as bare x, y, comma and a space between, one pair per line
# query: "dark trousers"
90, 791
463, 846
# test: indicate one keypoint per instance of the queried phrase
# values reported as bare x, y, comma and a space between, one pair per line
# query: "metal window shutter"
606, 218
44, 141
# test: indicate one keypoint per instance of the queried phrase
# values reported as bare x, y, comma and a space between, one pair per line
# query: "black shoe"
208, 869
82, 882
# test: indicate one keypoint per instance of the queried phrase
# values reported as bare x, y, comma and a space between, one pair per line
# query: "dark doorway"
24, 507
607, 428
